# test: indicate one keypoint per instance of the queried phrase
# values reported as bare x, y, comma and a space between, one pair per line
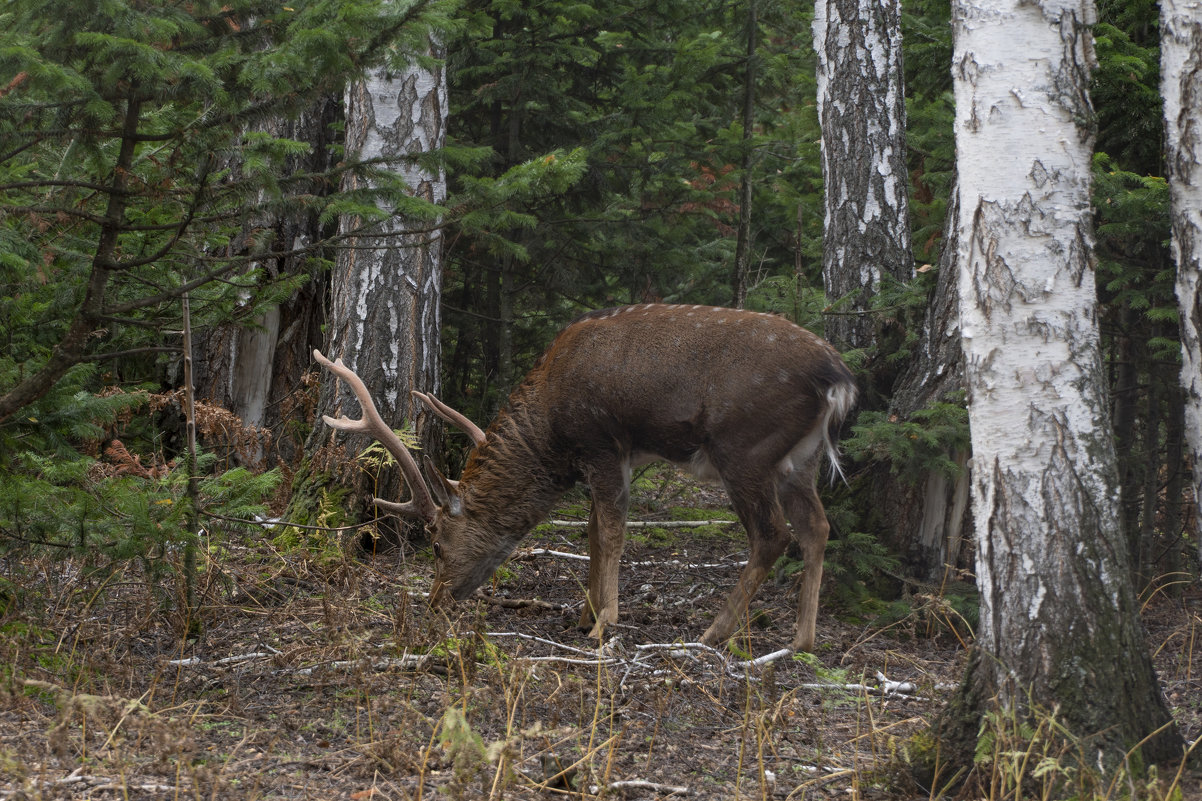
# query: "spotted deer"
747, 399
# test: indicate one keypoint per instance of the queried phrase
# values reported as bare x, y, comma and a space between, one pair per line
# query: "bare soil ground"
330, 679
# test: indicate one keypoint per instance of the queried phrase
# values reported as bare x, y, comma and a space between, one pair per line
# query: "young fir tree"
134, 170
1137, 309
651, 94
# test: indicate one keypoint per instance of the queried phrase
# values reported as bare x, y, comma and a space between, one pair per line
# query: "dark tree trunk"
1173, 564
1141, 539
927, 518
1126, 408
743, 236
257, 370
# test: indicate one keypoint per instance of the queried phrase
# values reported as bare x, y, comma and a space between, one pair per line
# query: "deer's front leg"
592, 598
610, 485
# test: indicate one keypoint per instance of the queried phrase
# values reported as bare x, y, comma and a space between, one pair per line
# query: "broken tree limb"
196, 661
610, 655
520, 603
760, 661
542, 640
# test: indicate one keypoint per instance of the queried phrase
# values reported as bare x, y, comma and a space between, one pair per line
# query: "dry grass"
329, 678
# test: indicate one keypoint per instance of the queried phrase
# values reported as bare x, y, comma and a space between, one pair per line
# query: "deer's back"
673, 380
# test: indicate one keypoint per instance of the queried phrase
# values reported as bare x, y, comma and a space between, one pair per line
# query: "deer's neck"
515, 478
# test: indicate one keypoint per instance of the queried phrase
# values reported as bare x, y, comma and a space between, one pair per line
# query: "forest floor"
327, 677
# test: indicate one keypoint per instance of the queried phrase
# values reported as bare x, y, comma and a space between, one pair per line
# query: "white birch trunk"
385, 280
386, 284
1181, 88
1059, 622
861, 107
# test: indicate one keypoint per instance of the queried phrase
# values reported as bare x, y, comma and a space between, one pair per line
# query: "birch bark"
1059, 624
861, 108
386, 284
1181, 88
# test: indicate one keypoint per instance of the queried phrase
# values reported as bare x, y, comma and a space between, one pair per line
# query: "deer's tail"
840, 398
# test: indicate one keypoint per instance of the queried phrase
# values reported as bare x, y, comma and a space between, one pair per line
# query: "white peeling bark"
861, 107
386, 284
1058, 613
1181, 88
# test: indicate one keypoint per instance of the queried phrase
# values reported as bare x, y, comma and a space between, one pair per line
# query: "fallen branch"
195, 661
543, 640
608, 655
94, 783
527, 553
765, 659
888, 687
884, 687
406, 662
520, 603
640, 784
602, 661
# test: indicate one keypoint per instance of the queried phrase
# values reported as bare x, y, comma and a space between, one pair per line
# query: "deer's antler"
421, 505
451, 416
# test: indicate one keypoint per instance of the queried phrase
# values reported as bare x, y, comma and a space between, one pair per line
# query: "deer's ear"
446, 492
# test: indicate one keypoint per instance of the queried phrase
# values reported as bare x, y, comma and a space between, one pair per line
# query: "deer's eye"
437, 551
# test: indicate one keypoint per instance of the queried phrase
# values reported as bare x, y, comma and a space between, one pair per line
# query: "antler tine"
422, 504
451, 416
406, 509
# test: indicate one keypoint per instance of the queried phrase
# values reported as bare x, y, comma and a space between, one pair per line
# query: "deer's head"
466, 550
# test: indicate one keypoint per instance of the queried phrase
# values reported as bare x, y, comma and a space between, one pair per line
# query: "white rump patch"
803, 452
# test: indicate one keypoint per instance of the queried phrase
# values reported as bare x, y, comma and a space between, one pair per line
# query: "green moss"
701, 513
315, 503
652, 536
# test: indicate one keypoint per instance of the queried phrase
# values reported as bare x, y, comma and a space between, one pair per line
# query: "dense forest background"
594, 156
195, 197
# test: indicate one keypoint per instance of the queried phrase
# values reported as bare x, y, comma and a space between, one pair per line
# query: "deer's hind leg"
609, 482
799, 494
755, 501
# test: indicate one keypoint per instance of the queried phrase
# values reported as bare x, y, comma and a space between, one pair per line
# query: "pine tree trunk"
1181, 88
1175, 561
1060, 625
927, 518
861, 107
386, 284
1125, 402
